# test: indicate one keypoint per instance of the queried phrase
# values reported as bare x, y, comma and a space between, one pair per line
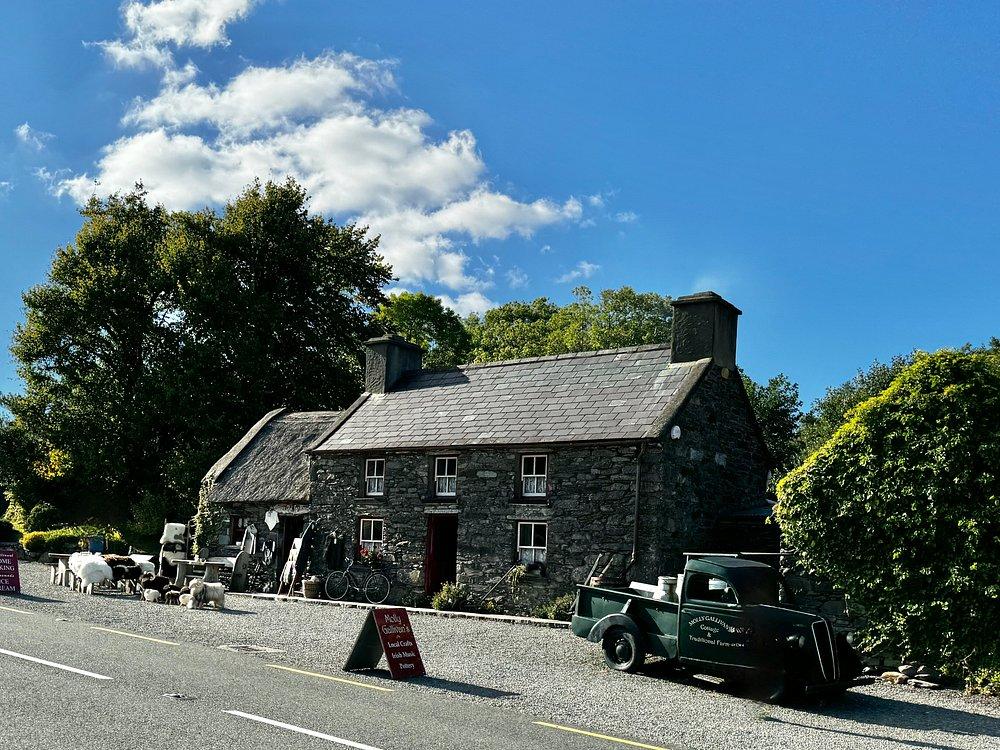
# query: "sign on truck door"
713, 626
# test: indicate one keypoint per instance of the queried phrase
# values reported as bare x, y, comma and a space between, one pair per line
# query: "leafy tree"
159, 337
422, 319
829, 412
901, 508
778, 409
621, 317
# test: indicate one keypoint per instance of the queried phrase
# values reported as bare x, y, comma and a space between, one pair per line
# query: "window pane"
540, 529
540, 464
524, 535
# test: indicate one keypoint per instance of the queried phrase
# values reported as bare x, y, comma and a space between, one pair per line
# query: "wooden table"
183, 568
212, 571
186, 568
60, 574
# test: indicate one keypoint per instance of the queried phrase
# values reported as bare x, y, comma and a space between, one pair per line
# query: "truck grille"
824, 650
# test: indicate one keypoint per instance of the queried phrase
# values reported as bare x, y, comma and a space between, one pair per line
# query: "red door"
442, 551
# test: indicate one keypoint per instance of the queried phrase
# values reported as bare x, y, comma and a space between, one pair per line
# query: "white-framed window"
375, 476
532, 538
445, 476
372, 534
534, 472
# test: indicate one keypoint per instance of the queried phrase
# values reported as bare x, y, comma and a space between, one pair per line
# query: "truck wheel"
622, 651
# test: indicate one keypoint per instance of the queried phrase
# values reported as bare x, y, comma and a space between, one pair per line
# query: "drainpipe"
635, 524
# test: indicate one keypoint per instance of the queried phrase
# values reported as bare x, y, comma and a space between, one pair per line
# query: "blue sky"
832, 168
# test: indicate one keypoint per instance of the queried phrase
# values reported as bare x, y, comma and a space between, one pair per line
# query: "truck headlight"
796, 641
850, 639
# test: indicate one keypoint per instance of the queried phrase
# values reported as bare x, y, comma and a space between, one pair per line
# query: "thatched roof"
269, 464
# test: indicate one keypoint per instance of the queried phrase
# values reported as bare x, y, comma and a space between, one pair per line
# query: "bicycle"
369, 580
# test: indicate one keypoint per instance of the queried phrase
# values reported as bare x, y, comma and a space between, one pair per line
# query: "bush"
560, 608
451, 598
8, 533
71, 539
15, 513
43, 516
983, 682
901, 509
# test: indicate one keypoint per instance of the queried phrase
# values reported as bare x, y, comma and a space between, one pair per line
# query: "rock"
896, 678
871, 671
925, 684
910, 670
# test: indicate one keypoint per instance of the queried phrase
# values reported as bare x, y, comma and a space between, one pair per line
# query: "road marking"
19, 611
300, 730
53, 664
619, 740
134, 635
331, 677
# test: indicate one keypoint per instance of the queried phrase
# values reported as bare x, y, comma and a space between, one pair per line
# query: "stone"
910, 670
871, 671
896, 678
925, 684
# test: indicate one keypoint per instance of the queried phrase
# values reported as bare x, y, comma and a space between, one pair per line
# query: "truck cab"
723, 618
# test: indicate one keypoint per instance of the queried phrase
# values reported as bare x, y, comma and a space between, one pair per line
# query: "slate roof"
617, 394
269, 463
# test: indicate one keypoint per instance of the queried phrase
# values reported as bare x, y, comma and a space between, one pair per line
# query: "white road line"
300, 730
19, 611
54, 665
135, 635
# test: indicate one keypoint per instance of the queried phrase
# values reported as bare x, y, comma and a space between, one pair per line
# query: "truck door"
713, 627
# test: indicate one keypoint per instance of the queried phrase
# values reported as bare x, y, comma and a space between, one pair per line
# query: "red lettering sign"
398, 642
10, 579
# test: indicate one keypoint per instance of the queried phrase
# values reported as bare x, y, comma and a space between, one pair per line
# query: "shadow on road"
40, 599
902, 714
449, 685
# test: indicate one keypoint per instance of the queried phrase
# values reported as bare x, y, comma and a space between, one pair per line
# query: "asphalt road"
73, 685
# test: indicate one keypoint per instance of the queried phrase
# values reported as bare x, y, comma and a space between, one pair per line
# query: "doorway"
442, 551
291, 527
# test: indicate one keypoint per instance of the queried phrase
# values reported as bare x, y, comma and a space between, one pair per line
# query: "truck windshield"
758, 587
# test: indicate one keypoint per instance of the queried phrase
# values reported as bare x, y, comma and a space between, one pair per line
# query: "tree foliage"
423, 320
620, 317
778, 409
901, 507
159, 337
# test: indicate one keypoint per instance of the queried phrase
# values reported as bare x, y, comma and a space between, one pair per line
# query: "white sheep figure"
185, 599
151, 595
90, 570
206, 593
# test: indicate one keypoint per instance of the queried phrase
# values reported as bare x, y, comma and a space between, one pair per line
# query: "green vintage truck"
721, 617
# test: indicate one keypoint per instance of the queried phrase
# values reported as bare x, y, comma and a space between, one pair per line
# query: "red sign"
398, 642
387, 631
10, 580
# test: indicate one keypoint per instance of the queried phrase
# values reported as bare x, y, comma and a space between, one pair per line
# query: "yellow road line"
332, 678
134, 635
620, 741
19, 611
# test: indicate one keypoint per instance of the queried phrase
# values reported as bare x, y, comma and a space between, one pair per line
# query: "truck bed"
656, 618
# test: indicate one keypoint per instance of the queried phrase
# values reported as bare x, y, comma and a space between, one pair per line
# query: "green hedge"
901, 509
71, 539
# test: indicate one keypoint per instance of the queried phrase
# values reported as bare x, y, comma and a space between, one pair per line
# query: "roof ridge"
548, 358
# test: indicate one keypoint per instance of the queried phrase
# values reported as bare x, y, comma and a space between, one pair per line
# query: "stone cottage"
545, 461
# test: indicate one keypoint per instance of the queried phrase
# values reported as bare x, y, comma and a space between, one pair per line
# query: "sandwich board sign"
387, 631
10, 579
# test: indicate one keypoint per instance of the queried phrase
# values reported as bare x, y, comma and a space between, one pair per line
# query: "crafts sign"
387, 631
10, 579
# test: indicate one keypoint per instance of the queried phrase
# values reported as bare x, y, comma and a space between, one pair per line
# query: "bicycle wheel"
377, 588
337, 584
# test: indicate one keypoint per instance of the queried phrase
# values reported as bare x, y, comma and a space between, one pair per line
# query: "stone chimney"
704, 326
387, 359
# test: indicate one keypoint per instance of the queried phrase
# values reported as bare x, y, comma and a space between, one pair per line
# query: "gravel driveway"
549, 675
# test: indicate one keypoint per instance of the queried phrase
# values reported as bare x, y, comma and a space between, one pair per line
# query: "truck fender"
603, 625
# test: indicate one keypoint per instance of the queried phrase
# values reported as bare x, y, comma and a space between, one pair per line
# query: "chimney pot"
704, 326
387, 359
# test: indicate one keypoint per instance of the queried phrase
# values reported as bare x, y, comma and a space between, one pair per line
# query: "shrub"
71, 539
452, 597
8, 533
15, 513
983, 682
901, 509
43, 516
560, 608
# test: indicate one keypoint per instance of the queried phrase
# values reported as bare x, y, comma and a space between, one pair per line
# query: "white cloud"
583, 270
596, 200
626, 217
465, 304
32, 137
320, 120
545, 249
6, 187
516, 278
151, 27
